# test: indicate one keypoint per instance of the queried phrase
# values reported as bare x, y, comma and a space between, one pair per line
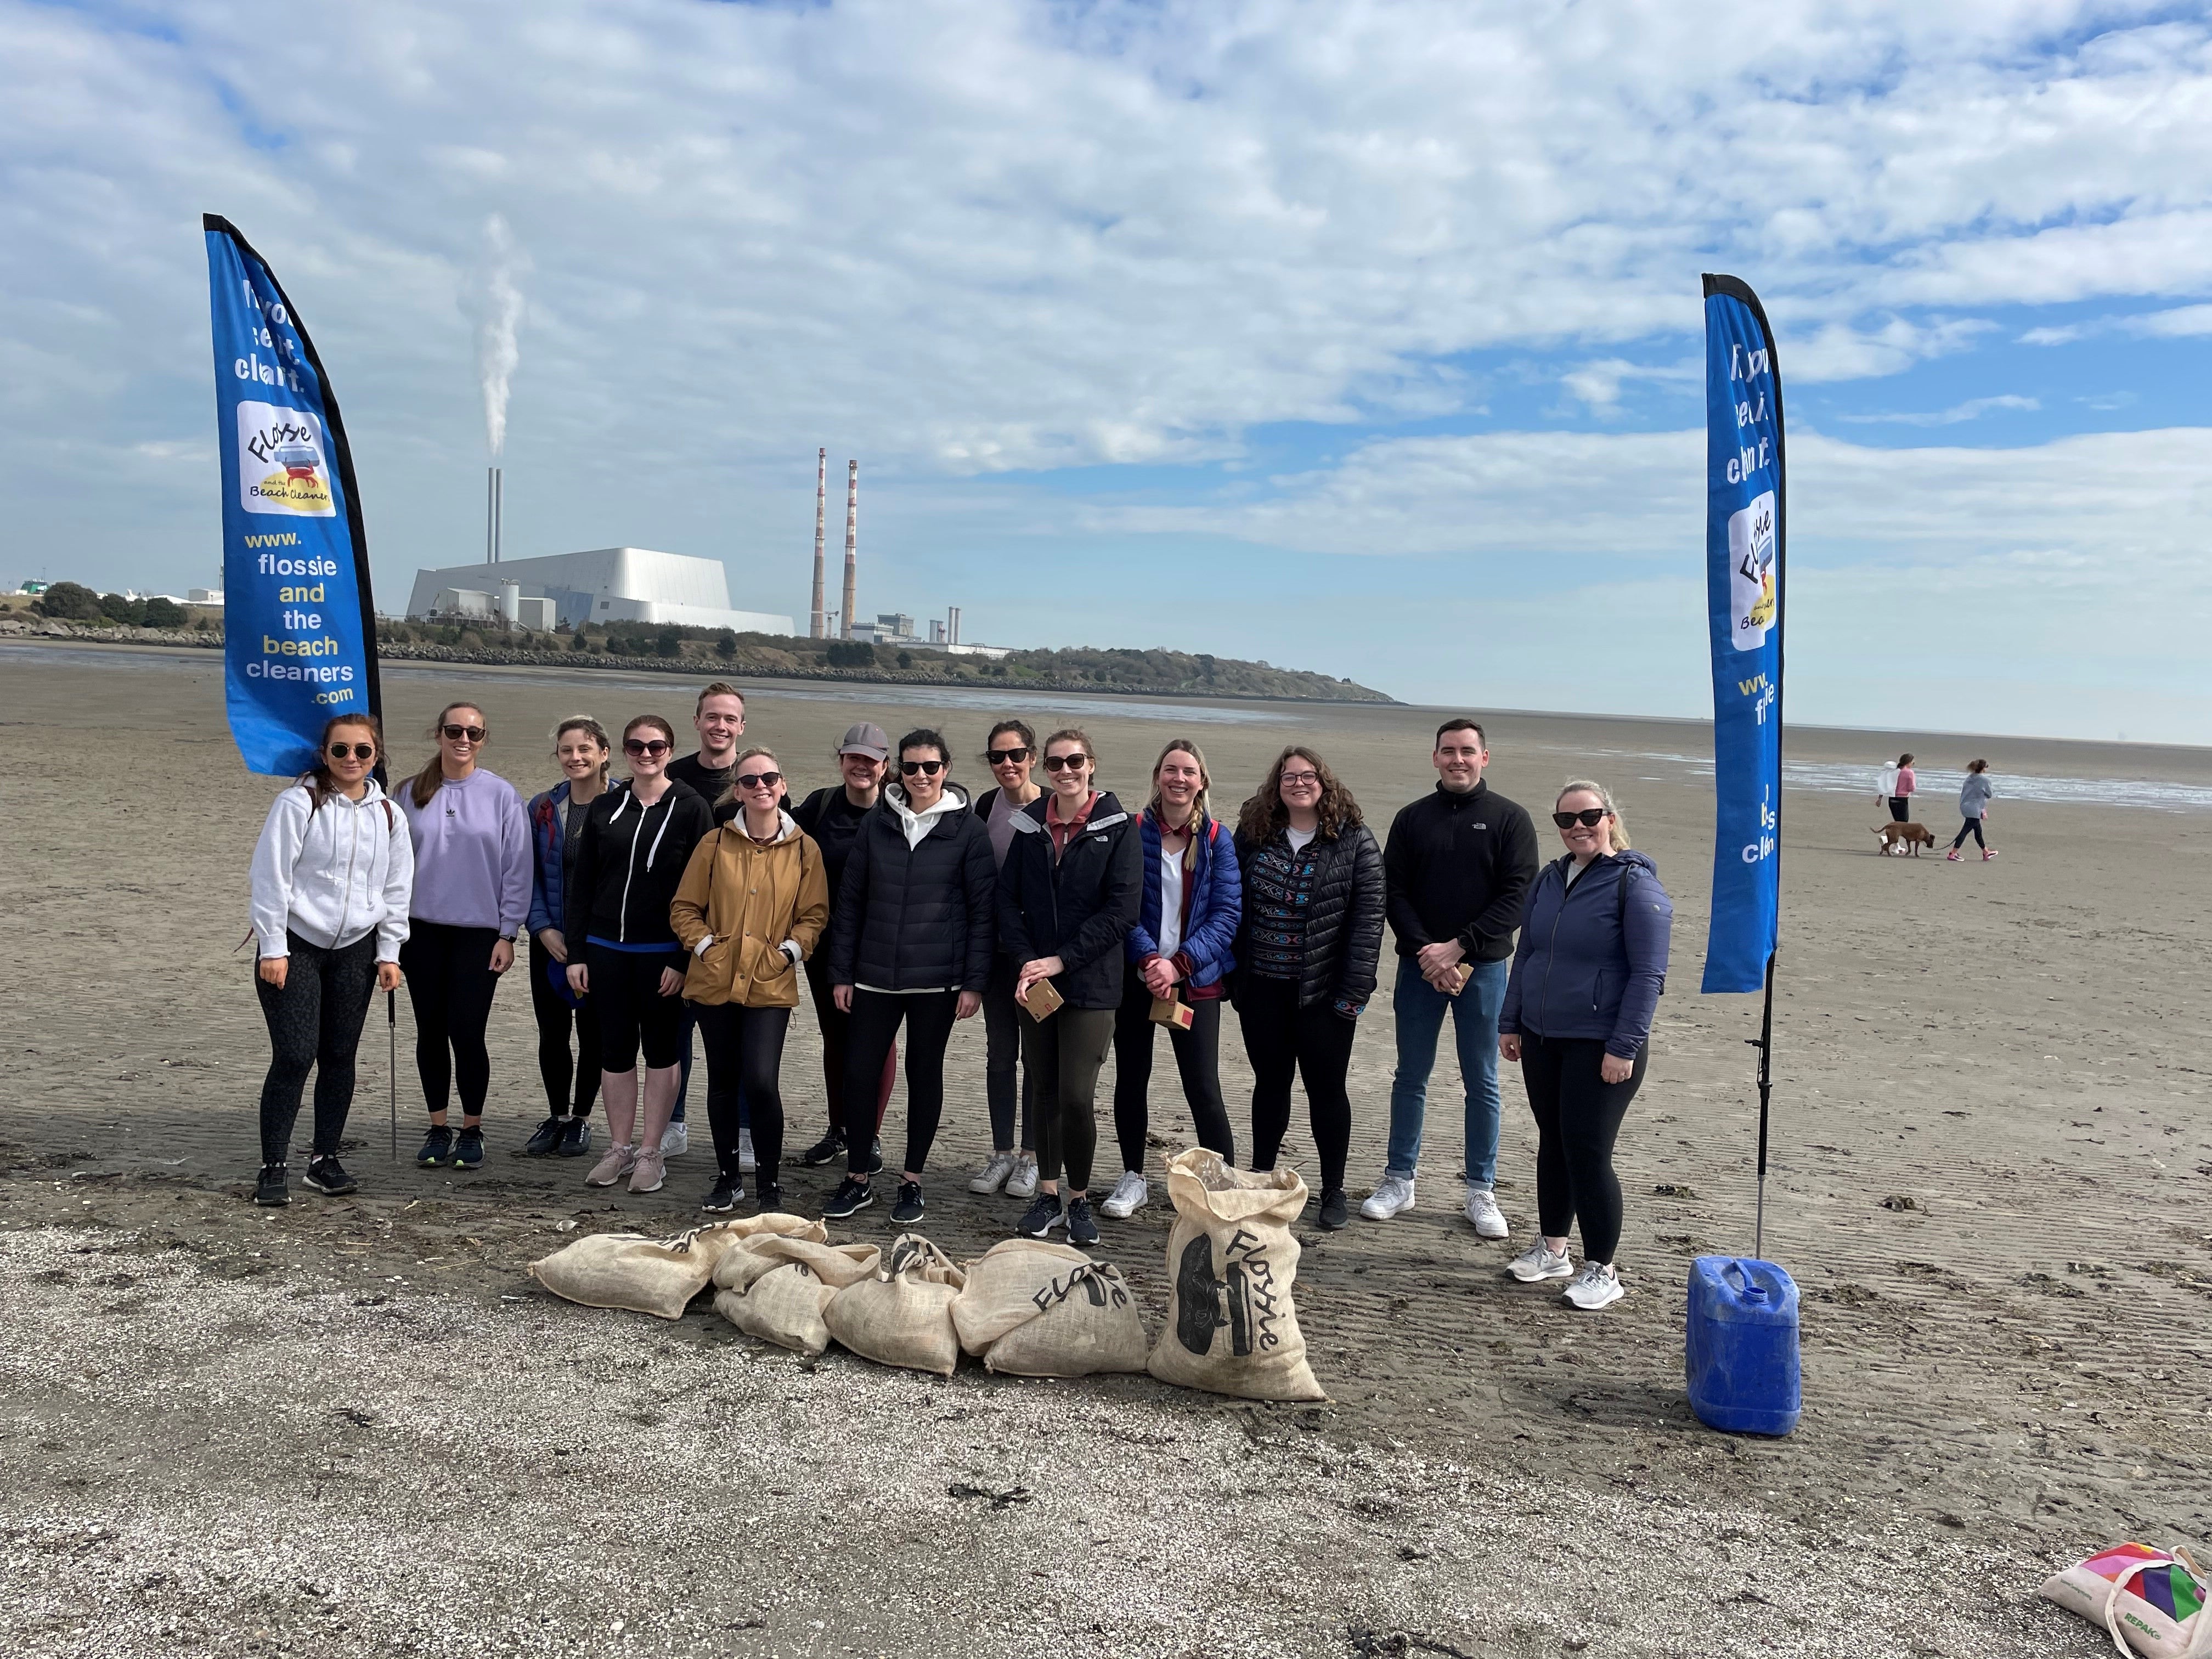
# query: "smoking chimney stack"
852, 546
495, 491
818, 625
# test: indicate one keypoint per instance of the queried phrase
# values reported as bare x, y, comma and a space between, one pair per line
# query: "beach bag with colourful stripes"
2151, 1602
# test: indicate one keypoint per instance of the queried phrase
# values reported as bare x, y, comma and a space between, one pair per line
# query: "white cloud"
1972, 408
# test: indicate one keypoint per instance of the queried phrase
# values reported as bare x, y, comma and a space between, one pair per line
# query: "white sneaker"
1482, 1210
992, 1176
1023, 1183
1392, 1196
746, 1161
1595, 1286
675, 1140
1540, 1261
1131, 1194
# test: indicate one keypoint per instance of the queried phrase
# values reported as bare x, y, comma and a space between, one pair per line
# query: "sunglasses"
1590, 818
645, 745
462, 733
1066, 762
1292, 780
351, 750
1006, 756
930, 769
759, 779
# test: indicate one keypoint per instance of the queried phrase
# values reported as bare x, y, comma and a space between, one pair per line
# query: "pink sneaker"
617, 1163
1987, 853
650, 1173
1953, 856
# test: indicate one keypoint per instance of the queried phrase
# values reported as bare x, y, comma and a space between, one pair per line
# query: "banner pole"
1764, 1044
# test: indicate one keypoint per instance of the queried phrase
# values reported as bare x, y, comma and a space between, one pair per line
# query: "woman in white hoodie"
332, 875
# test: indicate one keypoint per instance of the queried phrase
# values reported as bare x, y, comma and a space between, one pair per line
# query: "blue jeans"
1420, 1009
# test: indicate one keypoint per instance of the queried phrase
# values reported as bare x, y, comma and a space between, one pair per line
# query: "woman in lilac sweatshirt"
472, 871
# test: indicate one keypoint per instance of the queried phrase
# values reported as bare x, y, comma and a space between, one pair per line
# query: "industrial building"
604, 585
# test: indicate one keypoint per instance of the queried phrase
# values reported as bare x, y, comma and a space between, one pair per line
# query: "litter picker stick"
391, 1025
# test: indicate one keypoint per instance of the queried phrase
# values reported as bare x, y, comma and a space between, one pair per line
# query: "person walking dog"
332, 873
1587, 977
1974, 797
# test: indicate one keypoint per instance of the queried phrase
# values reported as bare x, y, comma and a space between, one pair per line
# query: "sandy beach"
355, 1426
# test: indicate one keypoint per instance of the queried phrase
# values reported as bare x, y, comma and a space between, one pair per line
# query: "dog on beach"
1903, 840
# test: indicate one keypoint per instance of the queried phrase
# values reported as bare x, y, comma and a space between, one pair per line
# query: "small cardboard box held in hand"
1171, 1011
1042, 1001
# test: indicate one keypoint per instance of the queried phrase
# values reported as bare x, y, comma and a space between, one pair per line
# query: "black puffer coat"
918, 918
1079, 909
1343, 914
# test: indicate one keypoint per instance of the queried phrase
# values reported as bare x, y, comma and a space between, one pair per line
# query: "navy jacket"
1592, 960
915, 918
1207, 953
1079, 907
547, 864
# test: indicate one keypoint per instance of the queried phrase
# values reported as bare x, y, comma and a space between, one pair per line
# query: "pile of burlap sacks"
1025, 1307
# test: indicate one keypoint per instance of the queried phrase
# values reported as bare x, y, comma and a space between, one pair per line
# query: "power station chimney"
494, 490
818, 625
852, 546
953, 624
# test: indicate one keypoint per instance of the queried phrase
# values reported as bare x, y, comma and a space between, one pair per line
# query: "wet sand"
1992, 1178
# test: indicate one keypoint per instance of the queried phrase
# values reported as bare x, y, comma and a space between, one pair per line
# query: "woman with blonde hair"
556, 829
1587, 978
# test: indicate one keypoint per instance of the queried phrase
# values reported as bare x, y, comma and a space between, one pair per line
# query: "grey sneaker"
1023, 1183
1595, 1286
1392, 1196
1131, 1194
746, 1162
613, 1165
675, 1140
1538, 1262
650, 1173
1482, 1210
992, 1176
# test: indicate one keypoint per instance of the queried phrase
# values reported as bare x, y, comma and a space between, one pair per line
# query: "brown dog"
1905, 839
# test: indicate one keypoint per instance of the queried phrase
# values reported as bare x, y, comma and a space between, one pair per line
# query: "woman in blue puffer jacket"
1179, 952
1587, 977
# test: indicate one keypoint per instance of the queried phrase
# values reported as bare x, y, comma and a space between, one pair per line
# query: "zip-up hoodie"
333, 873
1592, 960
1078, 906
628, 863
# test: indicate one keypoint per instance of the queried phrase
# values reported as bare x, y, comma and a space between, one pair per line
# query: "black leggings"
1063, 1053
555, 1018
745, 1053
450, 985
1900, 808
1197, 1059
1315, 1042
1578, 1116
870, 1031
837, 1032
315, 1020
633, 1013
1002, 1051
1971, 827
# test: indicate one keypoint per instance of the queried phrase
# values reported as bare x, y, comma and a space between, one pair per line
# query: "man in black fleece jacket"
1457, 869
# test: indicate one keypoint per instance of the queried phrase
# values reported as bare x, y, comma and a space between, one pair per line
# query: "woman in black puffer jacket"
1306, 954
1068, 895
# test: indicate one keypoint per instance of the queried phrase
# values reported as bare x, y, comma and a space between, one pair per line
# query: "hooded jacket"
333, 873
628, 866
1216, 905
915, 910
750, 915
1592, 961
549, 859
1344, 915
1974, 795
1079, 907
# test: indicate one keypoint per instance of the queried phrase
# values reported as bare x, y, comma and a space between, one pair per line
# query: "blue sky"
1359, 336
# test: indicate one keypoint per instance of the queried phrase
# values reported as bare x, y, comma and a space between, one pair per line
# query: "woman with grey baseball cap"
832, 817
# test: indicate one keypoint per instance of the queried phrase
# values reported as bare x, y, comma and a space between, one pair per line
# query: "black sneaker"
728, 1192
327, 1176
437, 1148
1081, 1229
908, 1208
547, 1138
269, 1188
575, 1138
850, 1195
468, 1151
830, 1149
1332, 1216
876, 1155
768, 1195
1041, 1216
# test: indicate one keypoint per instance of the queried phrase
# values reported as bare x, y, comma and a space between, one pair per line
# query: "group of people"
1898, 784
691, 897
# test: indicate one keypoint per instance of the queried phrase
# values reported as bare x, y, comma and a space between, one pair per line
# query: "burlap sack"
653, 1276
1035, 1309
902, 1314
1231, 1261
777, 1287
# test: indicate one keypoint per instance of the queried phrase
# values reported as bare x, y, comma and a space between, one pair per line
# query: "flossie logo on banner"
1746, 538
299, 621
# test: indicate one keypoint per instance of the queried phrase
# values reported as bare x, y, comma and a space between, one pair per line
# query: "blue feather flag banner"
1746, 505
298, 620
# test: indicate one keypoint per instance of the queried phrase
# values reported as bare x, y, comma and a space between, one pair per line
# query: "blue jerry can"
1739, 1350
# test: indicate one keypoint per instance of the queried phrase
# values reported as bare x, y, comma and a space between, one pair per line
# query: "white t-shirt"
1170, 902
1298, 838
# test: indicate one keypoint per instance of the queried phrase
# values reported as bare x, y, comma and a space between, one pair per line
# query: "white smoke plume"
498, 319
